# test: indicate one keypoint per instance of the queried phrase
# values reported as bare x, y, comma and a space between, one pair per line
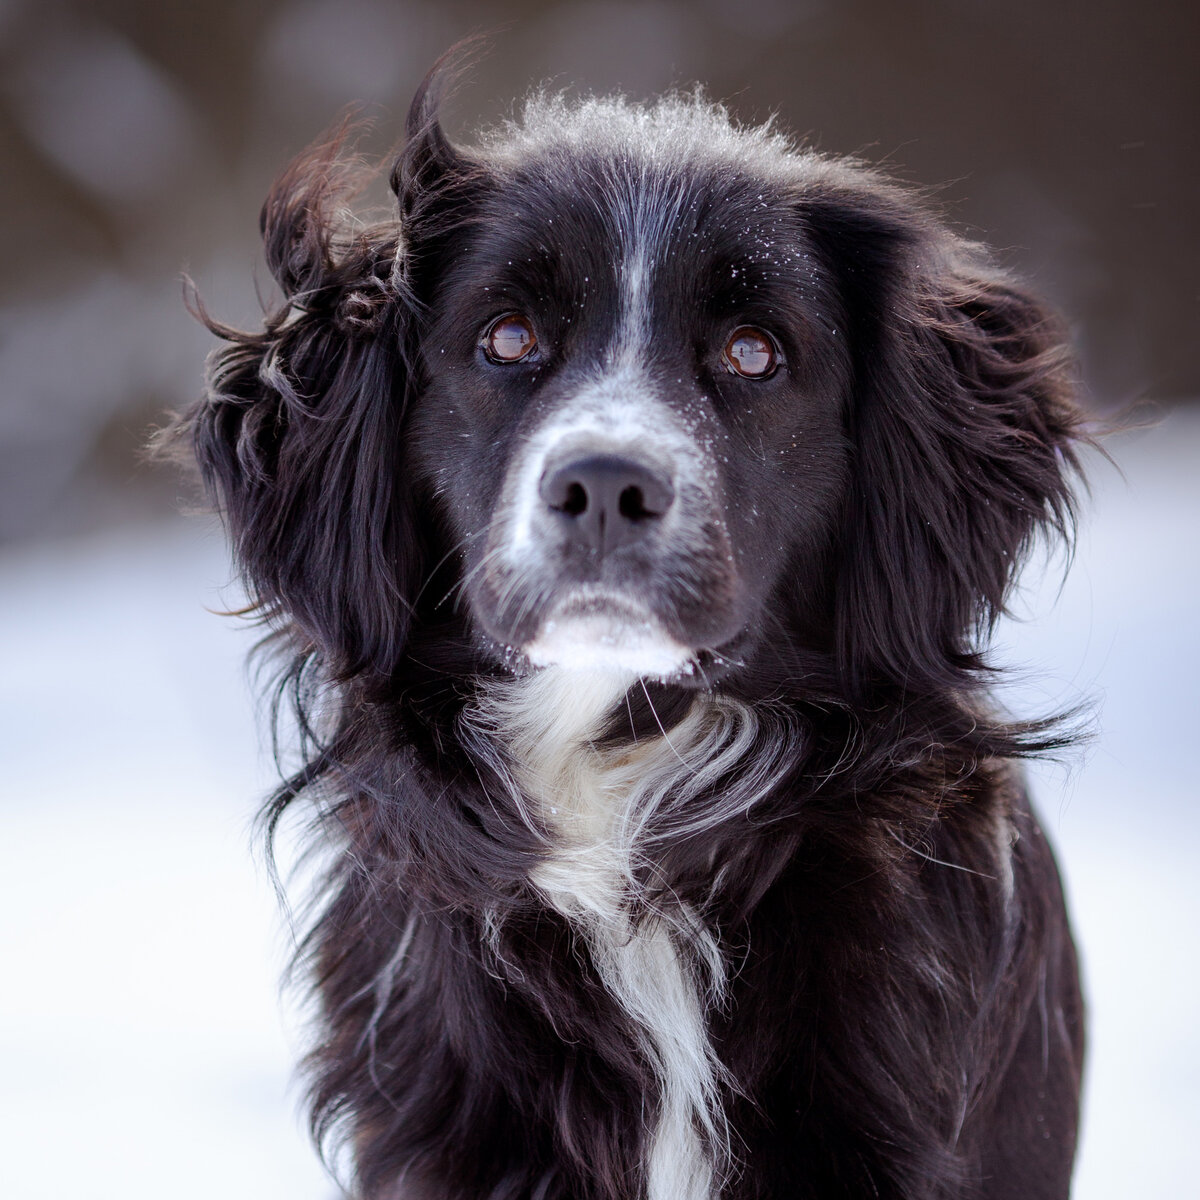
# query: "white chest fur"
604, 810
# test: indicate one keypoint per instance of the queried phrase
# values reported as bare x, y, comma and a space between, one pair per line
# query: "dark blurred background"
142, 1052
137, 139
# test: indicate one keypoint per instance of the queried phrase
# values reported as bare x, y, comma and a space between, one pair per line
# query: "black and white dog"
631, 506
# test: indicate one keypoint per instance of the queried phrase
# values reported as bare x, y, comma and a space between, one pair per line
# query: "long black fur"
896, 1026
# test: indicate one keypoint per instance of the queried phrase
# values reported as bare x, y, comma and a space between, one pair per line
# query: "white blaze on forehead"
633, 329
644, 216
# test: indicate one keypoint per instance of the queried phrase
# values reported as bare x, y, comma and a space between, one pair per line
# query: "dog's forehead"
615, 203
597, 235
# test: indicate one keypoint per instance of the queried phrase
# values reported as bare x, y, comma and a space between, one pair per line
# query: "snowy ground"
141, 1039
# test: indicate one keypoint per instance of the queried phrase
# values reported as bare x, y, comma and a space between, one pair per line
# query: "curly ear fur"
965, 432
292, 412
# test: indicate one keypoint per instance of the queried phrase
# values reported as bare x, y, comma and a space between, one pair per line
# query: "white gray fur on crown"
671, 128
602, 812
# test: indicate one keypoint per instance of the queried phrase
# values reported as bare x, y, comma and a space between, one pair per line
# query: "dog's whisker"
457, 548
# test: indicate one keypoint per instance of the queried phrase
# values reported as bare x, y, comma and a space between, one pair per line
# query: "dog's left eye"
751, 353
509, 339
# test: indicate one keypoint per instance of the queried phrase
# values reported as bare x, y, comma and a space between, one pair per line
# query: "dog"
631, 506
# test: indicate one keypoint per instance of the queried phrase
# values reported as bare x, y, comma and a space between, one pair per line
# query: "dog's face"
639, 389
633, 409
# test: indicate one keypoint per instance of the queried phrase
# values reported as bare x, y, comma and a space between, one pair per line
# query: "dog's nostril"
575, 502
632, 505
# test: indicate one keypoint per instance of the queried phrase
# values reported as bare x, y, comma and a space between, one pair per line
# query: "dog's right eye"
509, 339
751, 353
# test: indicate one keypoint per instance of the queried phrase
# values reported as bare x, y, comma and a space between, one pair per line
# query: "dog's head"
643, 389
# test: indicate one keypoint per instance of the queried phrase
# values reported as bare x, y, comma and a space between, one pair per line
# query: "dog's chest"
599, 808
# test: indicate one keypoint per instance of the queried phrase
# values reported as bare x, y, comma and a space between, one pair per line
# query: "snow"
143, 1042
1125, 633
140, 1031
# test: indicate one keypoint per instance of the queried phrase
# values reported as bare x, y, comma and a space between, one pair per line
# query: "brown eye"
750, 353
509, 339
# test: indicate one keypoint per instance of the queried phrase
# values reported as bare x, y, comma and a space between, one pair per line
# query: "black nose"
607, 500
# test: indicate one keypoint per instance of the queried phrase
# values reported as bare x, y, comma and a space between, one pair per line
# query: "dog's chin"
589, 634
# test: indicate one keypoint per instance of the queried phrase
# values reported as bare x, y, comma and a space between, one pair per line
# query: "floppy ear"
299, 434
964, 426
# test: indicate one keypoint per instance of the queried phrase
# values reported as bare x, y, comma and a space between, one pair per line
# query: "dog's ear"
964, 430
299, 436
433, 180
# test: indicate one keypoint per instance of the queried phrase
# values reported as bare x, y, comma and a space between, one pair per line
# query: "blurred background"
143, 1050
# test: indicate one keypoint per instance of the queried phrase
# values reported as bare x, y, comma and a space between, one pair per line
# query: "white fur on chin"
598, 641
